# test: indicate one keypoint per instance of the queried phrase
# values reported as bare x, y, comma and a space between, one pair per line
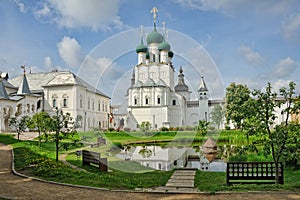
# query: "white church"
155, 95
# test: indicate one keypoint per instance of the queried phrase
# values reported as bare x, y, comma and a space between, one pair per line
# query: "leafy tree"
237, 97
40, 121
63, 127
145, 126
202, 127
217, 115
19, 125
274, 140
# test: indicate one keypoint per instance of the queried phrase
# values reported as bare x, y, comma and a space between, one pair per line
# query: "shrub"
238, 158
227, 127
164, 129
111, 129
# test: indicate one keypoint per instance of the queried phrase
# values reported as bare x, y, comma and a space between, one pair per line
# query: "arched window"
135, 100
65, 100
174, 102
158, 100
147, 100
89, 106
99, 105
54, 100
81, 101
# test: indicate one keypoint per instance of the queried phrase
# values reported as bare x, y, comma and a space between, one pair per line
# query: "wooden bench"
252, 172
89, 157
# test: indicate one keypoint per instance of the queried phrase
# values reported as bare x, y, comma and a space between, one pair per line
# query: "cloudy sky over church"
249, 41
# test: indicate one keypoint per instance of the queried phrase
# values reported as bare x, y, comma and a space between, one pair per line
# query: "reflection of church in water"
153, 95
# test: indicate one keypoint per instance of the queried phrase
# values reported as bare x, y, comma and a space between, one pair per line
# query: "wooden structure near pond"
89, 157
253, 172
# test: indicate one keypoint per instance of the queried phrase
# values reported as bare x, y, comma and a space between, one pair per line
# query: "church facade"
155, 96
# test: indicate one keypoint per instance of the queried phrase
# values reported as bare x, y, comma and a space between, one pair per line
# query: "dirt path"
16, 187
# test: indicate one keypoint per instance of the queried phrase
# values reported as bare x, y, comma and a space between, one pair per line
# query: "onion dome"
155, 37
171, 54
141, 47
164, 46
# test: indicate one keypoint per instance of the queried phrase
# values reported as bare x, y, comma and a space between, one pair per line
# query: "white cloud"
48, 62
284, 68
291, 27
70, 51
251, 56
92, 14
21, 6
234, 6
43, 12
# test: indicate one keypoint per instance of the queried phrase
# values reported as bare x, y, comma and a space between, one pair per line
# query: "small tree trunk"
39, 139
276, 172
56, 144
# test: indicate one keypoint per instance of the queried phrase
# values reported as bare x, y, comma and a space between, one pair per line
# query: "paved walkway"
17, 187
181, 181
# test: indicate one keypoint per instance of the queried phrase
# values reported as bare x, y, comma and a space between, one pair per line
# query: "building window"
99, 106
54, 100
54, 103
146, 100
93, 105
65, 102
89, 106
174, 102
158, 100
135, 100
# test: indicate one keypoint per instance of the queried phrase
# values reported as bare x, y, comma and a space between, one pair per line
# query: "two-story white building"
30, 93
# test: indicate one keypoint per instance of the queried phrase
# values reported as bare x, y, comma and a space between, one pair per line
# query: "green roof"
155, 37
164, 46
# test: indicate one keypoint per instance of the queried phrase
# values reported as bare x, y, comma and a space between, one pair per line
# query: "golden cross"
154, 11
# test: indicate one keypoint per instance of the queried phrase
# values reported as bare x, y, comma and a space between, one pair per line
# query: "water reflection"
168, 158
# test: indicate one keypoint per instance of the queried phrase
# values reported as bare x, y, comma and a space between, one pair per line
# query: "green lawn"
40, 162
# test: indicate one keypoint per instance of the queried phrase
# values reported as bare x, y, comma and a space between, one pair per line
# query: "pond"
171, 157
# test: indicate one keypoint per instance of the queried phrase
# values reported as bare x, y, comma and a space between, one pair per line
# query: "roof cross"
154, 11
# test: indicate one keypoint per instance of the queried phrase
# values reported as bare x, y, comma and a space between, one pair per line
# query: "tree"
145, 126
19, 125
217, 115
40, 121
274, 140
237, 97
62, 126
202, 127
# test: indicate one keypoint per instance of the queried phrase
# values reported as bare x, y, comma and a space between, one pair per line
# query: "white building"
30, 93
154, 96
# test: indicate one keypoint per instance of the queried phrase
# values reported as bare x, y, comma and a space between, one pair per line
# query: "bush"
164, 129
227, 128
238, 158
111, 129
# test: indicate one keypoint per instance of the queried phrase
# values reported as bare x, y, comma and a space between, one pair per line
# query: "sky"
248, 42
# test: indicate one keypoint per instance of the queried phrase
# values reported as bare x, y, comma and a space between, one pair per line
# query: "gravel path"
16, 187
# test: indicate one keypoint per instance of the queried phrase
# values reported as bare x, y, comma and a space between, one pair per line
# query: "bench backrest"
253, 171
90, 157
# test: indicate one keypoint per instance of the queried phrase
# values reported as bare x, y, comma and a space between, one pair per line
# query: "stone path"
182, 181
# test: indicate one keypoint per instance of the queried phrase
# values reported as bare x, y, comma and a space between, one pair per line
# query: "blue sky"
250, 41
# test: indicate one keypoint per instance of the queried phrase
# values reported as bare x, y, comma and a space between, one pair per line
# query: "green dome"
141, 48
154, 37
171, 54
164, 46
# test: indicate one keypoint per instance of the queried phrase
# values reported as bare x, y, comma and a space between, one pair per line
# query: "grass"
40, 162
216, 181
